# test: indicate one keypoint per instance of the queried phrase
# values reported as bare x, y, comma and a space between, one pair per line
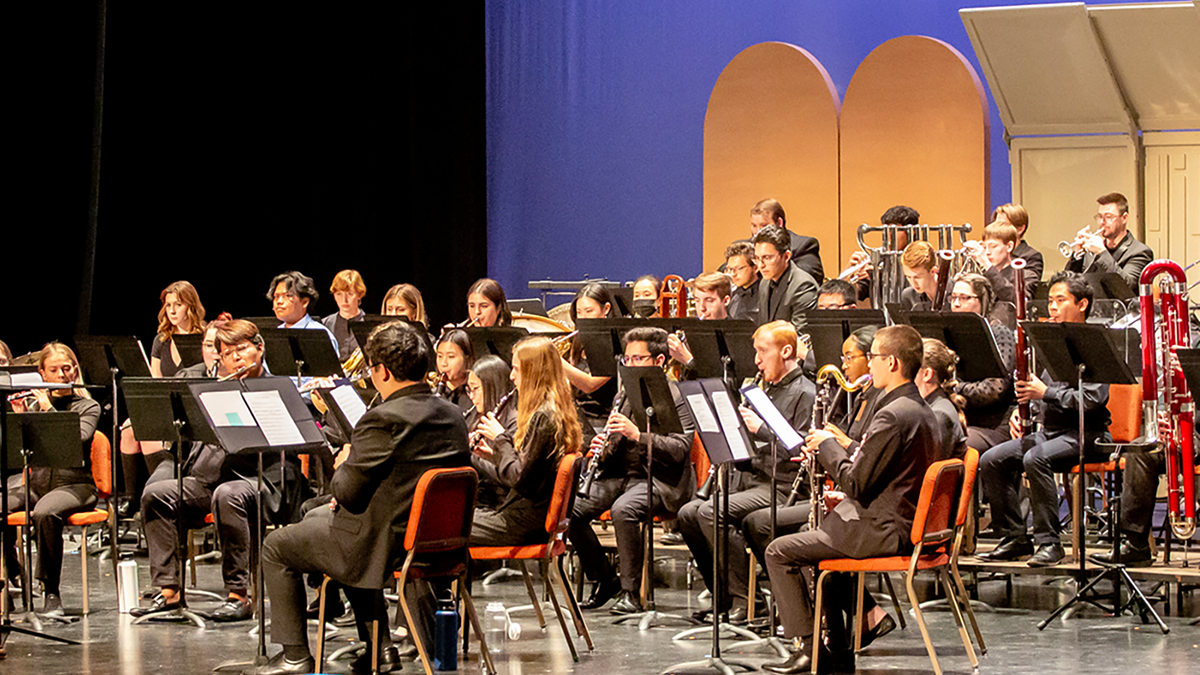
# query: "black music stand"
829, 328
266, 415
496, 340
47, 439
601, 343
300, 352
346, 411
362, 329
105, 360
1190, 360
191, 348
965, 333
717, 346
163, 409
725, 441
1083, 353
652, 407
533, 306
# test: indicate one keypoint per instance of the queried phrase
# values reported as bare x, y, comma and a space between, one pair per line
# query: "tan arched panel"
914, 131
771, 130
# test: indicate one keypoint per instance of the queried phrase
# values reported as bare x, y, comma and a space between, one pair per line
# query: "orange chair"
557, 519
436, 542
965, 504
934, 529
102, 477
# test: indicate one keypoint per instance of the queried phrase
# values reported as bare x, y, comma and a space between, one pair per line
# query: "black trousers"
627, 499
1139, 485
520, 523
794, 600
696, 526
54, 494
234, 510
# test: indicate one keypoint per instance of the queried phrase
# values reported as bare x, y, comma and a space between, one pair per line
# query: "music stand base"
651, 618
9, 628
1085, 595
719, 664
239, 666
175, 614
723, 627
773, 642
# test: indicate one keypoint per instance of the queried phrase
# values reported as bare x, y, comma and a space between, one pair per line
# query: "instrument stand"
47, 434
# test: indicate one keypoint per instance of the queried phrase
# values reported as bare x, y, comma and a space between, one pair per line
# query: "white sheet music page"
273, 418
227, 409
350, 403
704, 417
730, 421
771, 415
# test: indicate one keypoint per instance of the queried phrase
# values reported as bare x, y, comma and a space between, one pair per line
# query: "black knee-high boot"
135, 473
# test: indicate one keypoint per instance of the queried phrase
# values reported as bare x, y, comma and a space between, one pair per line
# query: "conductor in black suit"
1112, 248
806, 251
358, 541
881, 481
785, 292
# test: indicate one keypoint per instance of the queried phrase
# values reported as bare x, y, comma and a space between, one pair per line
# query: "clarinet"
593, 467
477, 437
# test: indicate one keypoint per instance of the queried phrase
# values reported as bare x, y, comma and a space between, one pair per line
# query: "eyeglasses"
238, 350
871, 356
280, 296
637, 360
737, 270
768, 259
962, 298
1105, 217
847, 358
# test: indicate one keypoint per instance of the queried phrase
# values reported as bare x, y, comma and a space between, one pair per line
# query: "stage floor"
1085, 642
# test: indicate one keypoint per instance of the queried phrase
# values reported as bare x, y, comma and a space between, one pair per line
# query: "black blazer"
882, 478
795, 294
1128, 259
674, 475
1035, 265
392, 446
806, 254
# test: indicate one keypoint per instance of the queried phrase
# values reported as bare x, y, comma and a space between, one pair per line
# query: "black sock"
295, 653
135, 475
154, 459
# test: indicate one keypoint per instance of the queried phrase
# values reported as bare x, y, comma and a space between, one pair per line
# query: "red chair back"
558, 517
970, 467
938, 504
700, 460
451, 496
1125, 411
102, 464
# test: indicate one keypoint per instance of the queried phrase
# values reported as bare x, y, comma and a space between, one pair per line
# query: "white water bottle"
495, 632
127, 586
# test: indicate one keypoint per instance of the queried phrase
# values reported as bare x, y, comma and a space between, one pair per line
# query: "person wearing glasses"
1039, 456
620, 484
880, 481
785, 292
1111, 248
743, 272
224, 485
54, 494
988, 401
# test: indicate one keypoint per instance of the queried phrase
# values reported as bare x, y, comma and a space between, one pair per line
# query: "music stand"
105, 360
601, 342
47, 439
255, 416
1083, 353
718, 346
346, 406
191, 348
527, 306
362, 329
495, 340
725, 441
829, 328
965, 333
163, 409
652, 408
300, 352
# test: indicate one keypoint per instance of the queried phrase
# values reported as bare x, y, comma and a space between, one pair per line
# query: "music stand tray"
300, 352
721, 346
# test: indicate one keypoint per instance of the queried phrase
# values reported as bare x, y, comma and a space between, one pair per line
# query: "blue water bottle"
445, 636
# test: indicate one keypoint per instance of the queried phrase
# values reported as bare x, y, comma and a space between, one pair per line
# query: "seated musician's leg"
592, 558
1139, 484
49, 518
629, 511
793, 599
287, 554
234, 509
1000, 470
756, 496
694, 518
160, 501
1055, 454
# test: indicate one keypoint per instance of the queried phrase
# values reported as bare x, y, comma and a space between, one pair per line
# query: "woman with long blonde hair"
527, 462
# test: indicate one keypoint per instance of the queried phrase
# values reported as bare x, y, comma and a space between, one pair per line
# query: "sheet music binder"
725, 440
248, 436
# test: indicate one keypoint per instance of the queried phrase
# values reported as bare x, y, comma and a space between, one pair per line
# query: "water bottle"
127, 586
495, 632
445, 631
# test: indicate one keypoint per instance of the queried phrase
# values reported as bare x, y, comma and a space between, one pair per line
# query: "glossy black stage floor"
1085, 642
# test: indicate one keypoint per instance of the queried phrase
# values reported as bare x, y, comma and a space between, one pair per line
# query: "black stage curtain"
240, 141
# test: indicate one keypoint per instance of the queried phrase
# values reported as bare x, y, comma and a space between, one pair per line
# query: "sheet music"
273, 418
703, 414
730, 422
350, 403
227, 409
774, 419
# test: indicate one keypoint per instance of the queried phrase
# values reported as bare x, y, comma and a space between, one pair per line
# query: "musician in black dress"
487, 305
593, 394
988, 402
455, 356
489, 383
936, 382
54, 494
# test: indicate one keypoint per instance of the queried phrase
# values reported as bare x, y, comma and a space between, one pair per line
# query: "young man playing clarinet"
881, 481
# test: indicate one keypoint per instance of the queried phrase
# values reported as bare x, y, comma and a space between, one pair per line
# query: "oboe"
593, 467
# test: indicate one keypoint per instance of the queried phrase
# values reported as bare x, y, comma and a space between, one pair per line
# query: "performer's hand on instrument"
333, 503
1164, 422
342, 456
620, 424
815, 438
597, 444
842, 439
859, 258
975, 251
832, 499
490, 427
753, 422
482, 449
20, 404
678, 350
1032, 390
1014, 424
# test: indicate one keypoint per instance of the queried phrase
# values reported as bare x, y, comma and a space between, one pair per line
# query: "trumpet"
1073, 248
563, 343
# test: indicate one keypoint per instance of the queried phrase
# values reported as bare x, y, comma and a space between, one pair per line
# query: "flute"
237, 373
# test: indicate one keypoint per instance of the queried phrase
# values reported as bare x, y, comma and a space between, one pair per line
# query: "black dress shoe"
627, 603
1047, 555
128, 508
1010, 548
602, 592
701, 615
234, 609
737, 615
1130, 555
389, 660
160, 604
801, 662
279, 665
885, 626
52, 606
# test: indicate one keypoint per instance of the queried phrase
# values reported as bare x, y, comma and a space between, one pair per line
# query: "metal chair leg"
887, 580
83, 556
533, 599
561, 621
321, 624
912, 598
816, 636
966, 601
581, 628
951, 595
485, 655
859, 620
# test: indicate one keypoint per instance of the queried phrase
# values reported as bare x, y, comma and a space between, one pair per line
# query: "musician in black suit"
620, 485
881, 481
806, 251
743, 272
793, 394
1035, 264
1112, 248
786, 292
358, 541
